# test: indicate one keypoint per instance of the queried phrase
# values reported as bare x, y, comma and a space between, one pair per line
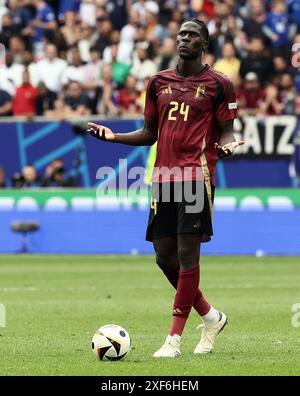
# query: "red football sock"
201, 305
185, 295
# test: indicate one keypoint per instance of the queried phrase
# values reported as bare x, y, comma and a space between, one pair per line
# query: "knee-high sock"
201, 305
185, 296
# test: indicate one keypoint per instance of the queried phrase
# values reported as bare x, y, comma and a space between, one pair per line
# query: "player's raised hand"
228, 149
101, 132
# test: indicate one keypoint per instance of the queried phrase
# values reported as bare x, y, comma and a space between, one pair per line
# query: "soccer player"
189, 112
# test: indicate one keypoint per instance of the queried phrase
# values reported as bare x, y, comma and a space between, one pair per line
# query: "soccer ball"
111, 342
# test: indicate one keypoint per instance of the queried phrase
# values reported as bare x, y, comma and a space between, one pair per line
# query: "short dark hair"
201, 24
94, 48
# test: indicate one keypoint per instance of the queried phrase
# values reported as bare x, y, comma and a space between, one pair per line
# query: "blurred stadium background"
69, 62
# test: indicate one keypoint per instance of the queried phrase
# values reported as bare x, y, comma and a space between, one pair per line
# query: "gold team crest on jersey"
199, 91
167, 90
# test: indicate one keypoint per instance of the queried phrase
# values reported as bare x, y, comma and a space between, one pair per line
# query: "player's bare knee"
187, 259
165, 262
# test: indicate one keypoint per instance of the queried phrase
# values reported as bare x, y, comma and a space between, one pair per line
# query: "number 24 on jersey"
184, 111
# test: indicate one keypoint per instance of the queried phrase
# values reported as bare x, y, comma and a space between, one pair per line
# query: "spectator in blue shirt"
294, 12
43, 22
117, 11
21, 15
276, 28
67, 5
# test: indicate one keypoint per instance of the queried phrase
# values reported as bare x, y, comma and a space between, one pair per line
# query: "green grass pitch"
55, 303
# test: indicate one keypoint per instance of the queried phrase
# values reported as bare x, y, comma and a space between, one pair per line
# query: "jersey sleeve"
226, 101
151, 100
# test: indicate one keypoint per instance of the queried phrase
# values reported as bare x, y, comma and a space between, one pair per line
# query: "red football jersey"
189, 111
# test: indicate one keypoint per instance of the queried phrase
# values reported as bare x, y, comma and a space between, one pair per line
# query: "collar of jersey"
206, 67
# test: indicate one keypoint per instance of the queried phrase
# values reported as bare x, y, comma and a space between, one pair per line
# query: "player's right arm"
141, 137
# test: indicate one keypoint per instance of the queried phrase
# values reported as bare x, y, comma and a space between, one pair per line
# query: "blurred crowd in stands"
55, 175
67, 58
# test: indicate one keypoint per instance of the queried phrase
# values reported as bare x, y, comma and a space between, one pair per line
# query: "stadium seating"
27, 204
280, 203
56, 204
107, 203
6, 203
251, 203
225, 203
82, 204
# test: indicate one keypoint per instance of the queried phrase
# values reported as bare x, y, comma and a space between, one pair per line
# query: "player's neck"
189, 68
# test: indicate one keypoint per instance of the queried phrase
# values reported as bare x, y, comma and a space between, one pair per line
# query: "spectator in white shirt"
11, 75
75, 70
142, 67
88, 12
51, 69
129, 30
85, 41
124, 49
142, 6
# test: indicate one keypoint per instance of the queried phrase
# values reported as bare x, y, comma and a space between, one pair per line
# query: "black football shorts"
181, 208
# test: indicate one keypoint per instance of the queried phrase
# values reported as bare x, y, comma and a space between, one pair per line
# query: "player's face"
190, 41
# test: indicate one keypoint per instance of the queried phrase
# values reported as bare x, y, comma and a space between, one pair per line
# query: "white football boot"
171, 347
209, 333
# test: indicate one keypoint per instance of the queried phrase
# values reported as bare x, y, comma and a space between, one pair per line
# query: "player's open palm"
101, 132
228, 149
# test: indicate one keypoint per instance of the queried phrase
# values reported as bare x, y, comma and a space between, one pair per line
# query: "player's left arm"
226, 112
227, 144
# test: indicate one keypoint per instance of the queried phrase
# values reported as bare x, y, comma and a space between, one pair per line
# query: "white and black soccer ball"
111, 342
